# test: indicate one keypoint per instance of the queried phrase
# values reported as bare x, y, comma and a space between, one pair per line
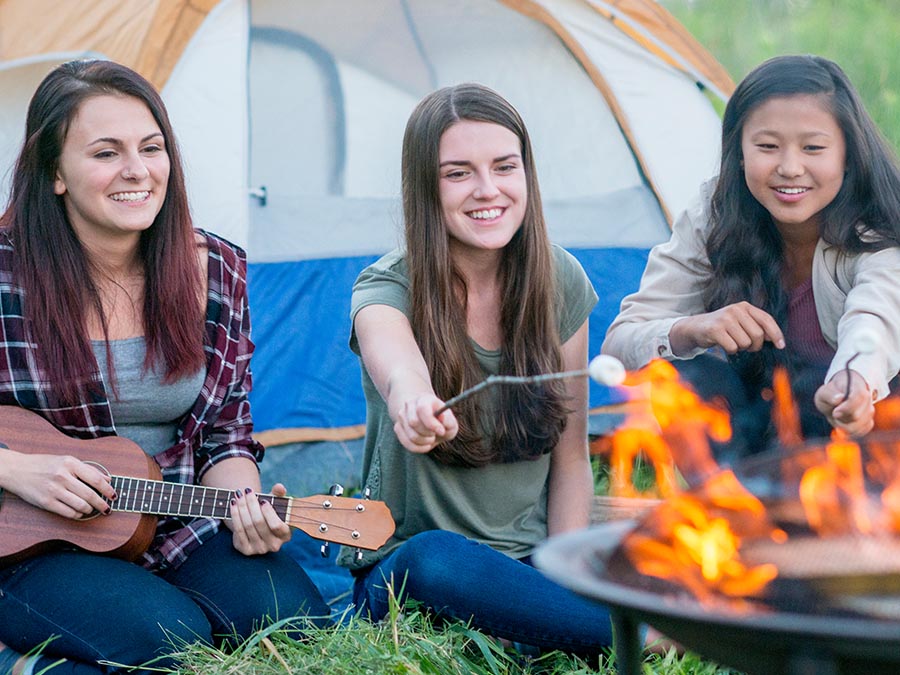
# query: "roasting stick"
603, 369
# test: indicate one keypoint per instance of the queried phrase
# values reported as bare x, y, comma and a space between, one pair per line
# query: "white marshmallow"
606, 370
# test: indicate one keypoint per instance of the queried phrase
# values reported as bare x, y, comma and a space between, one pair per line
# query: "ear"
59, 185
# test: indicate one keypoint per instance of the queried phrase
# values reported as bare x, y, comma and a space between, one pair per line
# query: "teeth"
130, 196
791, 191
486, 214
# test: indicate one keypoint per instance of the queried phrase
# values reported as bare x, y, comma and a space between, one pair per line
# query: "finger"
411, 441
755, 333
424, 421
241, 522
724, 339
96, 490
81, 504
769, 326
279, 531
416, 436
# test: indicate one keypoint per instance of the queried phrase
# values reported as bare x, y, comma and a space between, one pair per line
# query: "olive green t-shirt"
502, 505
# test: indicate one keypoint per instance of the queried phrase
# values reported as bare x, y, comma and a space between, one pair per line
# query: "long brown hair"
528, 420
53, 268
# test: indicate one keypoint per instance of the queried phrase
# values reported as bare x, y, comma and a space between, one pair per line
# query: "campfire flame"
833, 493
694, 538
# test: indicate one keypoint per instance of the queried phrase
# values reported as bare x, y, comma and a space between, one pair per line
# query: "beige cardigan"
854, 294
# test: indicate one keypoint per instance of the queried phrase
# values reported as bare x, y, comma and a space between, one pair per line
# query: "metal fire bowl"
757, 643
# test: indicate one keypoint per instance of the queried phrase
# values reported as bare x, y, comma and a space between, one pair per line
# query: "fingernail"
238, 493
108, 511
115, 496
233, 501
247, 491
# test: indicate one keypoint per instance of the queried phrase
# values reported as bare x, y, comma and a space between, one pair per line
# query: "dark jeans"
458, 578
93, 608
751, 414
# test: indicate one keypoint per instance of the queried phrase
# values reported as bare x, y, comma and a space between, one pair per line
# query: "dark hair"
528, 421
745, 249
54, 270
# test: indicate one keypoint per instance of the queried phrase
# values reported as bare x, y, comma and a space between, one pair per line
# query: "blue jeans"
458, 578
94, 608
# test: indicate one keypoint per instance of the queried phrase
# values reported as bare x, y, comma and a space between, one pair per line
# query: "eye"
508, 167
105, 154
766, 146
814, 148
456, 174
152, 149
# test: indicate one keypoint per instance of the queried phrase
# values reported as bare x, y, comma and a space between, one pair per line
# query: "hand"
62, 485
856, 414
256, 527
416, 426
734, 328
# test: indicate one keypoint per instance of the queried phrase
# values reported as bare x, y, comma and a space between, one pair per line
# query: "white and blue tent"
290, 115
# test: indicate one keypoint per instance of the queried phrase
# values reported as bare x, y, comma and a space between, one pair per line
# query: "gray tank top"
146, 410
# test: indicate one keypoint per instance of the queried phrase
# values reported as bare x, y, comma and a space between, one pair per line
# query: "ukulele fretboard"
139, 495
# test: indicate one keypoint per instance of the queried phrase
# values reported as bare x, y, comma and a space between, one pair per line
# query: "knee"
285, 593
155, 632
177, 629
430, 561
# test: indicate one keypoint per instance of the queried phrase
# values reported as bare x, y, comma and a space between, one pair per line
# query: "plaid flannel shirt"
219, 425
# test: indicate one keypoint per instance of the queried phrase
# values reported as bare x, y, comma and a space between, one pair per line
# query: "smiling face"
482, 185
113, 168
794, 158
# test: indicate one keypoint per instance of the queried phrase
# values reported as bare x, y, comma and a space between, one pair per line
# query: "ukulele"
142, 495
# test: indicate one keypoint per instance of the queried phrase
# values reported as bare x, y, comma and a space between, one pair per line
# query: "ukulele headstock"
350, 521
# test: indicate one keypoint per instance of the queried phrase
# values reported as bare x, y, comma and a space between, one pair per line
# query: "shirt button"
661, 350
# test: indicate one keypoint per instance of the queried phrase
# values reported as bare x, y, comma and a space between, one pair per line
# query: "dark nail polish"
233, 501
108, 511
238, 493
248, 490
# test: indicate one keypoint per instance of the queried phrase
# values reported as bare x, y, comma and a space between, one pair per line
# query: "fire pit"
834, 607
758, 642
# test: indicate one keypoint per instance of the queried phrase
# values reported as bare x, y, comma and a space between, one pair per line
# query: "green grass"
407, 642
859, 35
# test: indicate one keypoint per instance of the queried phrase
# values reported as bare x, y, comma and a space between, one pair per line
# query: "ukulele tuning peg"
336, 490
324, 549
357, 555
367, 493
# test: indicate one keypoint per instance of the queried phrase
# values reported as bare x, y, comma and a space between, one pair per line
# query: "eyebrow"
772, 132
465, 162
116, 141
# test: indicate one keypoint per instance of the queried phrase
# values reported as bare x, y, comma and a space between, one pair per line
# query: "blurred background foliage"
862, 36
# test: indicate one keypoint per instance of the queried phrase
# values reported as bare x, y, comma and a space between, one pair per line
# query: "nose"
485, 188
134, 168
790, 164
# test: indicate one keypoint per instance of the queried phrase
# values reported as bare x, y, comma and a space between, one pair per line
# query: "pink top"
804, 335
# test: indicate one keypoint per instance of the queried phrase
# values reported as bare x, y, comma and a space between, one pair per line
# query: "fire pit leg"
626, 643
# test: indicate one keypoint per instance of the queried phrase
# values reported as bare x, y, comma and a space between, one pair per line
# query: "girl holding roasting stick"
790, 256
478, 290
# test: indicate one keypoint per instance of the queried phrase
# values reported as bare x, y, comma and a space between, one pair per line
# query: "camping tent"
290, 114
